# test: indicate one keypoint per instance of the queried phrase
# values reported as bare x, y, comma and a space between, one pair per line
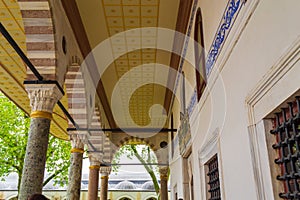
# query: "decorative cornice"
209, 146
43, 97
273, 76
229, 16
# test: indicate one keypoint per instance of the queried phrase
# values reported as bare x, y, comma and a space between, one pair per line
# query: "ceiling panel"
128, 15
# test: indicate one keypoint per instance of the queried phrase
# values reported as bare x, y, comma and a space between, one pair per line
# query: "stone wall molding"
259, 107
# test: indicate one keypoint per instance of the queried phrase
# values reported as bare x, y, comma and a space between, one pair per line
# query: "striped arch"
41, 51
121, 139
126, 140
39, 33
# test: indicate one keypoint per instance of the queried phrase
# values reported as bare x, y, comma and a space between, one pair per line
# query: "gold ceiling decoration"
128, 15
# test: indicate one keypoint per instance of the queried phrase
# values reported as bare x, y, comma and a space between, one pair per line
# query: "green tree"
14, 127
58, 161
144, 155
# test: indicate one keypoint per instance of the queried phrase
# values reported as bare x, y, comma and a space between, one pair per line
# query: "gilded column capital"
43, 97
95, 160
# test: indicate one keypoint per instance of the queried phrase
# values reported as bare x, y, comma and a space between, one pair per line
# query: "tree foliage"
14, 127
58, 161
144, 155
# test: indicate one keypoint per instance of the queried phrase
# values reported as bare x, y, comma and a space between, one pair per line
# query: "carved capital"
105, 171
95, 159
163, 173
163, 170
43, 97
76, 141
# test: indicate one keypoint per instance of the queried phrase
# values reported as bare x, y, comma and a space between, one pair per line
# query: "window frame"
210, 148
282, 138
200, 68
211, 172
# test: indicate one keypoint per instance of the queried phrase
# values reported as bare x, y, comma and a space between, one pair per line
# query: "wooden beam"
183, 17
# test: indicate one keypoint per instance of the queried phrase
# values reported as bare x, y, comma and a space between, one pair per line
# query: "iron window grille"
287, 133
213, 184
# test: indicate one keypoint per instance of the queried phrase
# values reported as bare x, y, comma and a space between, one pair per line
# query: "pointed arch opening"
199, 47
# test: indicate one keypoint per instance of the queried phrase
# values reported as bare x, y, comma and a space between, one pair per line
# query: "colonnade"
43, 98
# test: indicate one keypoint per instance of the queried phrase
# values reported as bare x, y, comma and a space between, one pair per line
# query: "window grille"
287, 133
213, 183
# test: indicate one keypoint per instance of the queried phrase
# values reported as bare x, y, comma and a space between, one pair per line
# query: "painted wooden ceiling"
104, 19
101, 19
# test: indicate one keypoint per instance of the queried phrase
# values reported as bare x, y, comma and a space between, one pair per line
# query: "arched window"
125, 198
199, 54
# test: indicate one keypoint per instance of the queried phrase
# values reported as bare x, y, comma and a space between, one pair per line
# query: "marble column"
111, 196
138, 196
95, 159
105, 171
73, 191
163, 183
43, 98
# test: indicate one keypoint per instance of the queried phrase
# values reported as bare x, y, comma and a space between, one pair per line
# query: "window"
212, 179
199, 55
287, 133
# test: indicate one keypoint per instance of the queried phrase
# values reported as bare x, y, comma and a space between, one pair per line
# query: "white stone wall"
256, 71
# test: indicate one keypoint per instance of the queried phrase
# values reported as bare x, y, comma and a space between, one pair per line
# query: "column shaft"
104, 187
105, 171
93, 182
163, 189
43, 98
73, 191
164, 183
35, 158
